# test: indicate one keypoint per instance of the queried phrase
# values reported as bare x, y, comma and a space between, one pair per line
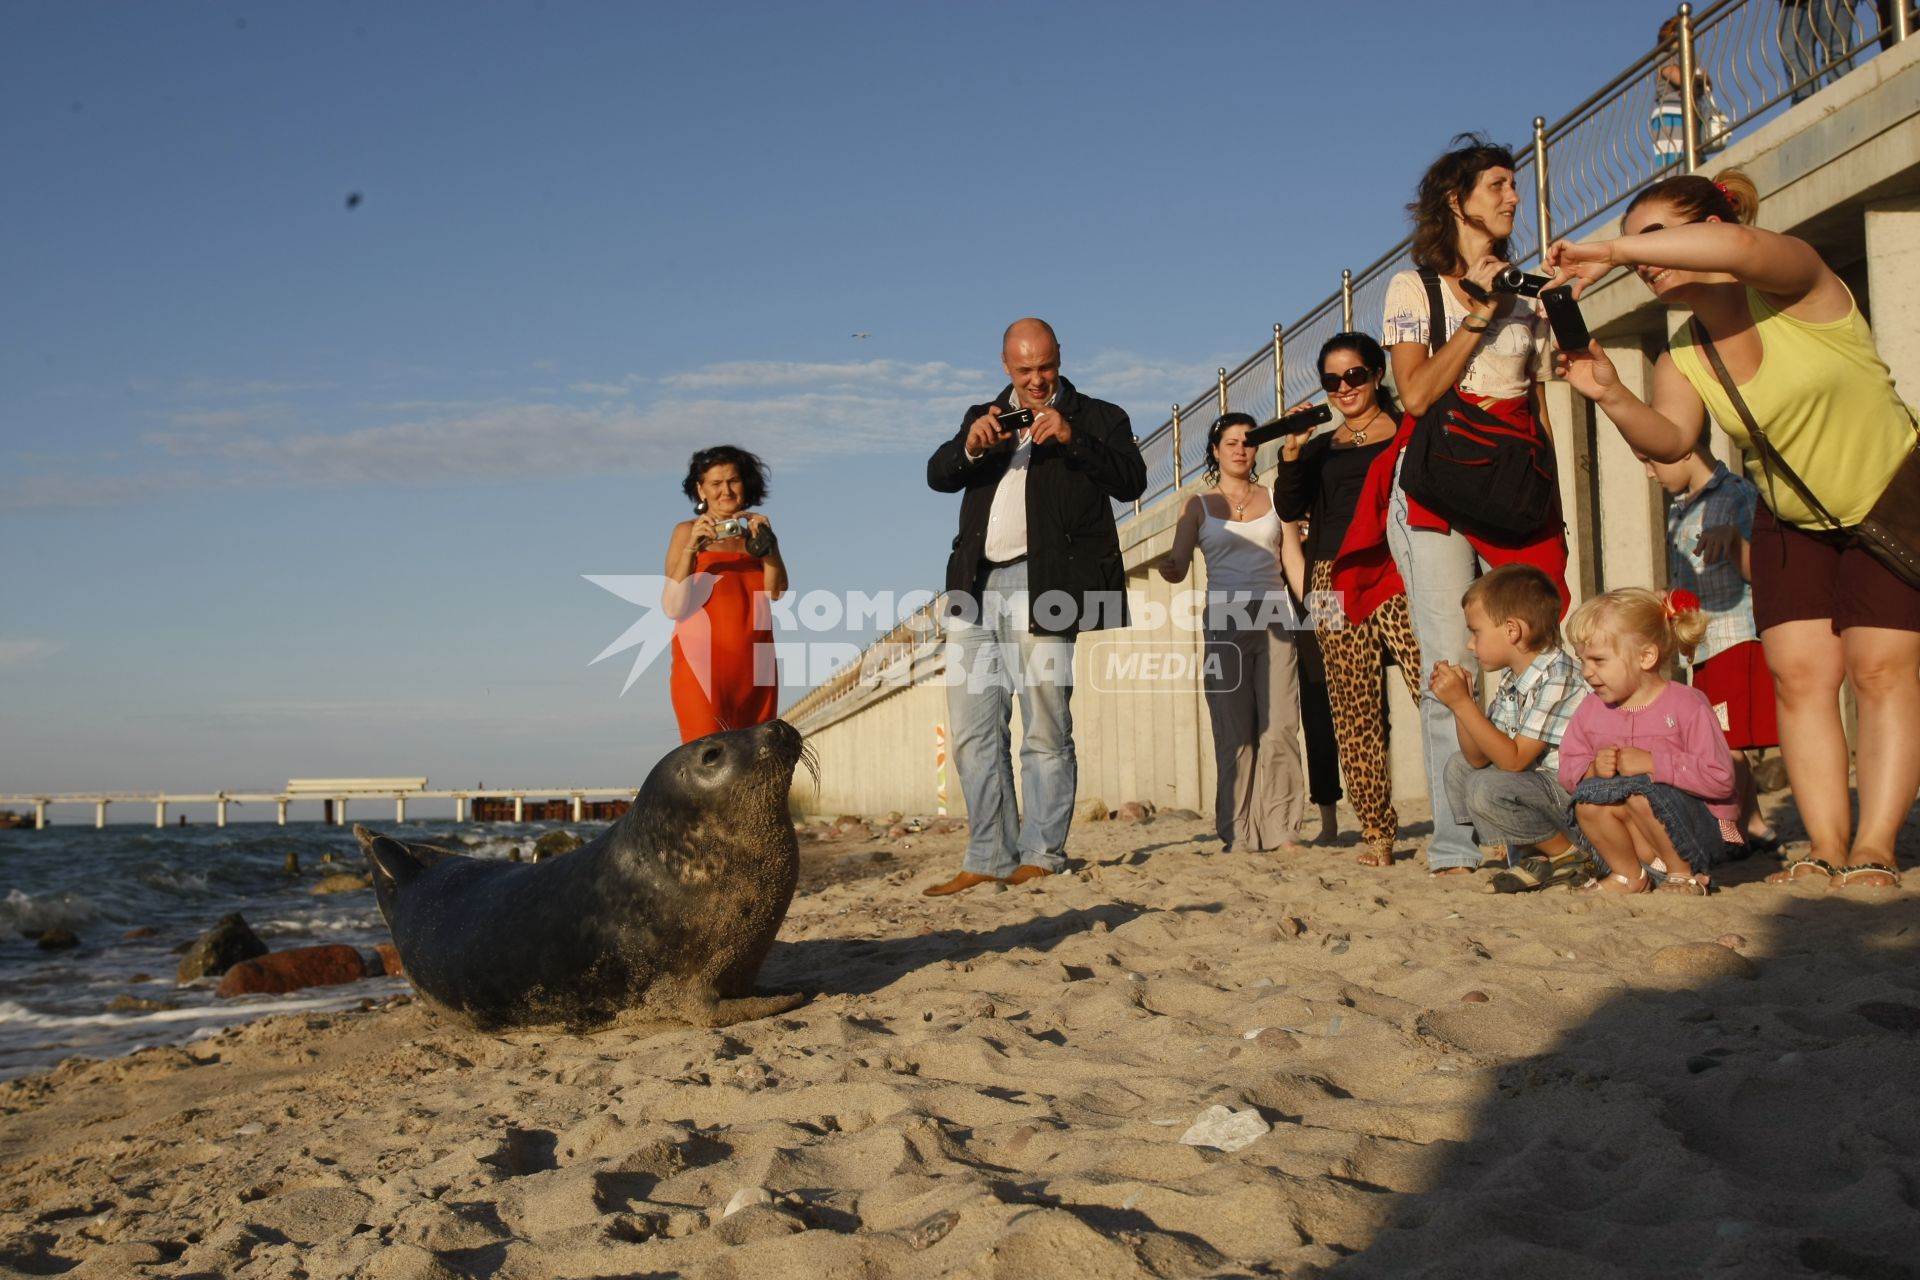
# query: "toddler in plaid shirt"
1504, 779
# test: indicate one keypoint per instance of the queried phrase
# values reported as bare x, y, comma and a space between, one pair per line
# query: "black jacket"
1072, 545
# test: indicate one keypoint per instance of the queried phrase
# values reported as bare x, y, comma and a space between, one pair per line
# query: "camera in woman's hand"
730, 527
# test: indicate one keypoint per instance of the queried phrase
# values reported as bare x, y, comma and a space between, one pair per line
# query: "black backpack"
1470, 468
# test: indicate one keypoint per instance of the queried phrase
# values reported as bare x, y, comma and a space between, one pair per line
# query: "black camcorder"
1291, 424
1514, 280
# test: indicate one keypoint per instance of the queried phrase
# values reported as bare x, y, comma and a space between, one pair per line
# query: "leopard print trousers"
1354, 670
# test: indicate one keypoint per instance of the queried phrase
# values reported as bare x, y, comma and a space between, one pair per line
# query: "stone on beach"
555, 843
220, 948
293, 970
341, 882
57, 940
1091, 811
1225, 1128
1701, 960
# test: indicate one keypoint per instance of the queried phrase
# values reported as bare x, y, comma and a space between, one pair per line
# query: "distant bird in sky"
353, 200
862, 335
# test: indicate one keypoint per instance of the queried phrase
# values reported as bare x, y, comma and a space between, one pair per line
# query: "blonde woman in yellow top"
1798, 350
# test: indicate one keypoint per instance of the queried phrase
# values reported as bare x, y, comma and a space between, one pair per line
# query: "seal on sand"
672, 909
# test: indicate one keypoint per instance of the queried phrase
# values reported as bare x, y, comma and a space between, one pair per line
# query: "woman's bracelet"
1467, 323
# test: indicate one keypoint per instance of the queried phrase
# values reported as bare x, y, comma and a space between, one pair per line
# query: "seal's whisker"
811, 759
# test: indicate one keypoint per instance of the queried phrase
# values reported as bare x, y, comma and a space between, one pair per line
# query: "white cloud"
23, 653
931, 377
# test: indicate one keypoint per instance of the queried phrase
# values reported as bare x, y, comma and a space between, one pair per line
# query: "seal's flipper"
725, 1013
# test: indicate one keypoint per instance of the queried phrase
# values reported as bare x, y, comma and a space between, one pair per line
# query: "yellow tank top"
1827, 402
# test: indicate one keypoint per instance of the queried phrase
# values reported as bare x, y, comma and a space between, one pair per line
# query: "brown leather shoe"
1026, 872
959, 884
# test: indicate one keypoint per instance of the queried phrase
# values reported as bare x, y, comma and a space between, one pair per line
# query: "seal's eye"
710, 756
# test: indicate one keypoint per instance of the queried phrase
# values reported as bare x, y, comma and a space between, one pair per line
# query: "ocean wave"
22, 912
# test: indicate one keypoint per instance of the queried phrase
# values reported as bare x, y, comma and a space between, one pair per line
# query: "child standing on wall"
1503, 778
1709, 526
1644, 757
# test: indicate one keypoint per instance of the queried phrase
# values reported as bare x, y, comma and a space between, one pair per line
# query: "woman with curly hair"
723, 566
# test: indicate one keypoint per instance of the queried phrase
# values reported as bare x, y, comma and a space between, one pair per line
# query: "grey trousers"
1253, 701
1509, 808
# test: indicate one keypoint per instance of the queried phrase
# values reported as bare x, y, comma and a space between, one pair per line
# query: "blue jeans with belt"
990, 663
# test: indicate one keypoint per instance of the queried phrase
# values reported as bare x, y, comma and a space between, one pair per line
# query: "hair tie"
1725, 194
1679, 601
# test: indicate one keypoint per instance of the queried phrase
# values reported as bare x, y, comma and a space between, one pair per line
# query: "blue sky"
291, 488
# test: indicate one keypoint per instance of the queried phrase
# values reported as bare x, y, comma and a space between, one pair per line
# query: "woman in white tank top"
1251, 671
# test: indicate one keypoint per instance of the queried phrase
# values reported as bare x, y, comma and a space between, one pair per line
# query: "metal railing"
1745, 57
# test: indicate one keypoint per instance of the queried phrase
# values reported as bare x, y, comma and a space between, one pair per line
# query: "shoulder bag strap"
1436, 310
1769, 456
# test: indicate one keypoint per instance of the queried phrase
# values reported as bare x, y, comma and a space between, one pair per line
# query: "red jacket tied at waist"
1363, 569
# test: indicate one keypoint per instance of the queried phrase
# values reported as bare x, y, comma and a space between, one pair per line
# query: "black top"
1323, 484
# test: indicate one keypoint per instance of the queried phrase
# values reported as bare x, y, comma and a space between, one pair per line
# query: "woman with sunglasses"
1774, 327
1251, 672
1490, 348
1321, 478
723, 566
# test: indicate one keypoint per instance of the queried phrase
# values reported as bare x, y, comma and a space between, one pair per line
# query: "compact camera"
1016, 420
731, 527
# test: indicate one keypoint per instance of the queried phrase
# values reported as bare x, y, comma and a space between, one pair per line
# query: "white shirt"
1007, 518
1512, 352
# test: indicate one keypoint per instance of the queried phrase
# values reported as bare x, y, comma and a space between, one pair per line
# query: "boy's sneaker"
1542, 871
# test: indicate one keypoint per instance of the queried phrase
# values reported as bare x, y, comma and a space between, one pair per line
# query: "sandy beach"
1442, 1081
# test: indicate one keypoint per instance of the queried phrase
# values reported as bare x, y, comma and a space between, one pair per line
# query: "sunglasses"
1356, 377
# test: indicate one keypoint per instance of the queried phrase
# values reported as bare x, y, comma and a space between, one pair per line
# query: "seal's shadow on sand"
861, 966
1722, 1126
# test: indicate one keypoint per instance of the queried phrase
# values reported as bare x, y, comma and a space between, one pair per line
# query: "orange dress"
724, 675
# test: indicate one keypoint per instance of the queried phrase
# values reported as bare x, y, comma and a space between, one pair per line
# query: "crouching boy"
1503, 779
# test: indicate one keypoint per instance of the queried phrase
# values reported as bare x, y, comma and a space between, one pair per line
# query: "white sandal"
1596, 885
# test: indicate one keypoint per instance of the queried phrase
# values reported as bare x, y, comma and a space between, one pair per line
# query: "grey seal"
669, 912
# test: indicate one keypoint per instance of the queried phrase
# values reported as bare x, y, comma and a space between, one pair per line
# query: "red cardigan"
1363, 569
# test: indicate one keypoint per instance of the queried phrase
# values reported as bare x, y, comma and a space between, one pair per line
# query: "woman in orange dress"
723, 566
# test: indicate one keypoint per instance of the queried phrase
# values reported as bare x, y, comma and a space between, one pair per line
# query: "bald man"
1036, 562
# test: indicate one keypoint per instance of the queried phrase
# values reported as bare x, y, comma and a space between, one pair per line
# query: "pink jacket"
1678, 727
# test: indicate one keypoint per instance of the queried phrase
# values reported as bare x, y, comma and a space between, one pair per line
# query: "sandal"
1599, 883
1791, 872
1692, 885
1843, 877
1378, 854
1541, 871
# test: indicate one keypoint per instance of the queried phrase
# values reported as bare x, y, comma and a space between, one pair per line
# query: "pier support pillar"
1631, 543
283, 811
399, 811
220, 812
1893, 264
39, 815
99, 813
340, 812
519, 808
576, 806
159, 813
459, 808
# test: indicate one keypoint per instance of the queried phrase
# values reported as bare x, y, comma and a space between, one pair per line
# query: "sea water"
102, 883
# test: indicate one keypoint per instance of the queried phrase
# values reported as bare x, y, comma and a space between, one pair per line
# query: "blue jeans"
989, 664
1437, 569
1813, 33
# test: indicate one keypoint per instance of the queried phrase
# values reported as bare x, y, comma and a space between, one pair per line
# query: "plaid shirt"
1537, 702
1724, 595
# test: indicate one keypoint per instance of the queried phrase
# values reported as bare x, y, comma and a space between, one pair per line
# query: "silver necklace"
1360, 436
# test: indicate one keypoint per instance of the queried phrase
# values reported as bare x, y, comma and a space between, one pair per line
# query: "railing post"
1176, 448
1346, 300
1279, 372
1689, 109
1222, 376
1902, 24
1541, 201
